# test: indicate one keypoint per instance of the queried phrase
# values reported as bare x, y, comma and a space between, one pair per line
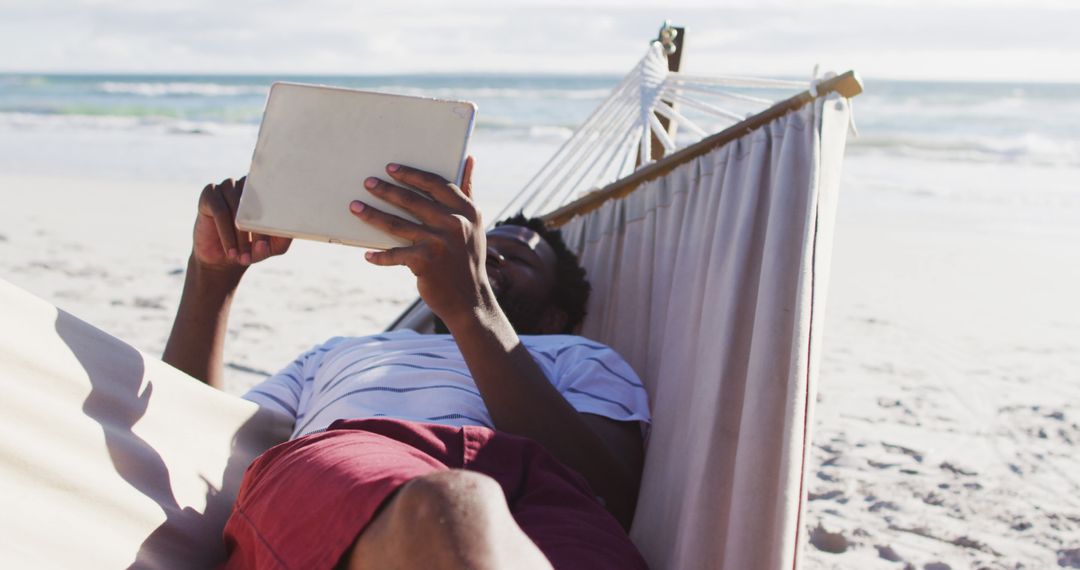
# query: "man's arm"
196, 344
523, 401
220, 255
448, 258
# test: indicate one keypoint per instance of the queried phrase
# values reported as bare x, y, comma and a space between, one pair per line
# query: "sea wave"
988, 110
146, 121
474, 93
504, 128
996, 111
1027, 148
195, 89
127, 123
1031, 146
179, 88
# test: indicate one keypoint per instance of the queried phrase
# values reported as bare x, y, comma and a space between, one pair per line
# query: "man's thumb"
466, 177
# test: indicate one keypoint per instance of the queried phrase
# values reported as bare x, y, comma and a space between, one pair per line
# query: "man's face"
521, 269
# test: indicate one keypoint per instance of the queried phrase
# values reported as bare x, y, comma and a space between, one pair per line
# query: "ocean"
992, 122
187, 131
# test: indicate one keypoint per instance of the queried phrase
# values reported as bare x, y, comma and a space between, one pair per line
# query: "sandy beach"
949, 406
113, 250
948, 416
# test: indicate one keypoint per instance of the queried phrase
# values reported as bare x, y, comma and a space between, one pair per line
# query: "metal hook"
668, 33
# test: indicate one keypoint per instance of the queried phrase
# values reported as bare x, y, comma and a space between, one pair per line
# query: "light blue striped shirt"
419, 377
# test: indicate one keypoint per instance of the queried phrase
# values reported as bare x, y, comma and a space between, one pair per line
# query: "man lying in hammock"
484, 449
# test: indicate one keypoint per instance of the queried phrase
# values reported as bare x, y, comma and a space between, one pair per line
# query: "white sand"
948, 418
949, 409
112, 249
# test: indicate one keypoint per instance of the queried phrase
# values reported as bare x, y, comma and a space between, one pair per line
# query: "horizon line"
551, 74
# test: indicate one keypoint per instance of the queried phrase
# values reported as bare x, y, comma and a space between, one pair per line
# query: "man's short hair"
570, 293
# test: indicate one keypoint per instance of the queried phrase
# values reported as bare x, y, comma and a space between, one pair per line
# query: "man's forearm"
522, 401
197, 341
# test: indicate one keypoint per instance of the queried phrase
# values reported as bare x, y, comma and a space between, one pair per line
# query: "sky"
997, 40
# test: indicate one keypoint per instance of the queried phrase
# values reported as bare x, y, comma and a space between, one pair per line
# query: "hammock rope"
617, 138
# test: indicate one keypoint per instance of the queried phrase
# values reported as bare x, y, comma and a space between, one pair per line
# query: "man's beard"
525, 317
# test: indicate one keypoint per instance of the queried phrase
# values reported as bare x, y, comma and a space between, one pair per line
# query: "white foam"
177, 88
155, 124
1023, 148
495, 92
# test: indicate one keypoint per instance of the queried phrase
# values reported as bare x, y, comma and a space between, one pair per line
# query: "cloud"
942, 39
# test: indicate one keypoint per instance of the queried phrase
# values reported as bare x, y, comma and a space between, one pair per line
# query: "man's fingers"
212, 203
440, 189
231, 191
466, 177
410, 257
279, 245
265, 246
427, 211
388, 222
260, 247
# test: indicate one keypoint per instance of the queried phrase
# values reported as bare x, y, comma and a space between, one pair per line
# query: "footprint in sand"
880, 464
891, 403
893, 448
826, 477
835, 494
932, 499
883, 505
885, 551
825, 541
955, 470
149, 302
1020, 524
1069, 558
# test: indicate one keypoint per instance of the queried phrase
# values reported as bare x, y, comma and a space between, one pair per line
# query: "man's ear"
553, 321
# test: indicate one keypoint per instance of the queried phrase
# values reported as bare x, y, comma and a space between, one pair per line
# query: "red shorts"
303, 503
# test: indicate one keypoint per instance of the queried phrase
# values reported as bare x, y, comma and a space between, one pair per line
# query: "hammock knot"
668, 33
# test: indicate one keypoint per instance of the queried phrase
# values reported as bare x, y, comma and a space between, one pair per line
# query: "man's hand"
449, 245
220, 254
217, 243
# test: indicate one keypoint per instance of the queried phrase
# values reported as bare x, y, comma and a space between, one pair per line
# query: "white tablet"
318, 144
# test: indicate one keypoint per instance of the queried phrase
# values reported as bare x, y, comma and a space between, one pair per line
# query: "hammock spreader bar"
847, 85
640, 112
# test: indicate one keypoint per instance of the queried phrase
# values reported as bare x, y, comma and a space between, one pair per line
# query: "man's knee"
449, 498
450, 519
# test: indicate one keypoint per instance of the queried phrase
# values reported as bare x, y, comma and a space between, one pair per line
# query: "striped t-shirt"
420, 377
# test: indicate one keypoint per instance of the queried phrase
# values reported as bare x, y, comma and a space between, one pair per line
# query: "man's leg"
391, 494
450, 519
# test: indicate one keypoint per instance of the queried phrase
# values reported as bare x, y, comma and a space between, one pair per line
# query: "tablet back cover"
317, 144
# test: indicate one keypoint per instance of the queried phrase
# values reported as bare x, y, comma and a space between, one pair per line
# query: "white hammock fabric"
111, 458
711, 282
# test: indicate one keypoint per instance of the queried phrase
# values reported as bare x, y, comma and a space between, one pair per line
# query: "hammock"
708, 266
